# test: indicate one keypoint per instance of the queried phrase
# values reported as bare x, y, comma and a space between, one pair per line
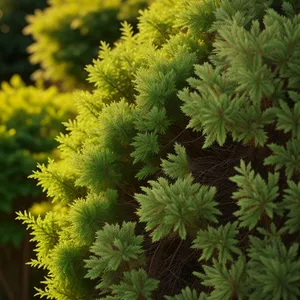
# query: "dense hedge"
180, 174
67, 35
13, 44
31, 117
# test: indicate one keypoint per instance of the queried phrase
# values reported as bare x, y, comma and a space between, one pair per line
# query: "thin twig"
25, 275
7, 289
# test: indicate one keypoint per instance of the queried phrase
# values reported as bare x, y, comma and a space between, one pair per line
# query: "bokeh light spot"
5, 28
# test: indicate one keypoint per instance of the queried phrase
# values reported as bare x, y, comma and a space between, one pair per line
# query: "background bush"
13, 44
67, 35
180, 173
31, 117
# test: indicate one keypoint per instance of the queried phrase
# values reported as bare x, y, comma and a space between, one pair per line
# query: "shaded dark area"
17, 280
13, 44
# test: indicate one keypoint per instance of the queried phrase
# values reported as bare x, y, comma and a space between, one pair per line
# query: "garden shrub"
67, 35
31, 117
13, 44
180, 173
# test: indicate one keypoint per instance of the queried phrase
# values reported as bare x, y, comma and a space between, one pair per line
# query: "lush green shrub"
13, 44
183, 161
67, 35
30, 119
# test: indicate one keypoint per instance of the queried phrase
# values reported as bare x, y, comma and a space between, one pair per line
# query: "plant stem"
7, 289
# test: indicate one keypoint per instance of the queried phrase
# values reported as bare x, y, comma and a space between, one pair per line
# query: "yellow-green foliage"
135, 83
31, 117
183, 161
67, 35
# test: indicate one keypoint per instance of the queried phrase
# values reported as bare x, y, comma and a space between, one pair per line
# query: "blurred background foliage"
48, 45
67, 36
13, 43
31, 117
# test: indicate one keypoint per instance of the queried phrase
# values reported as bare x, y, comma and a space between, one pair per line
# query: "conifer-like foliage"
191, 133
67, 35
30, 120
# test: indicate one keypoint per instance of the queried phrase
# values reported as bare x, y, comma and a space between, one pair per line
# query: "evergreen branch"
180, 207
135, 285
164, 35
188, 294
256, 198
228, 283
115, 249
177, 166
221, 239
288, 157
291, 202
